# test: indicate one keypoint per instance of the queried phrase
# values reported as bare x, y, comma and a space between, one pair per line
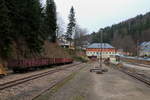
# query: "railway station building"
97, 50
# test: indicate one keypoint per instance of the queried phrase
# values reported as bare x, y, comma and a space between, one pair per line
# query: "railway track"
138, 61
139, 76
141, 65
53, 85
32, 77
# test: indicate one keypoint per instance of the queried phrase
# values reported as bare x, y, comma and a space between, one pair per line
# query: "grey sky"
96, 14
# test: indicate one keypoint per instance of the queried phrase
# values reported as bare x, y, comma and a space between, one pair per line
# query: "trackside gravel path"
113, 85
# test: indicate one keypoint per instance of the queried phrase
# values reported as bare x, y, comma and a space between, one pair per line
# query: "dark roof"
99, 45
145, 46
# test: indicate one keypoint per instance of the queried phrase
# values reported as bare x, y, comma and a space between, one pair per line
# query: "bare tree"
61, 25
117, 40
145, 35
128, 44
79, 39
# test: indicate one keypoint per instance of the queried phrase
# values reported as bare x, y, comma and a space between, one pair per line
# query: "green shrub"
81, 59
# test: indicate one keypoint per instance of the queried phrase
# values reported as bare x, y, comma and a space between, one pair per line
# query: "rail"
141, 77
32, 77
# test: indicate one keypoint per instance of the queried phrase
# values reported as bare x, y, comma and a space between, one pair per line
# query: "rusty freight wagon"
28, 64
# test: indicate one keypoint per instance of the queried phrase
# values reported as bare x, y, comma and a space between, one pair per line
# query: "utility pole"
137, 47
101, 49
100, 70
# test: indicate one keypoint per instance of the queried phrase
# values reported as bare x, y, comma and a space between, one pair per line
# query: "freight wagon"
28, 64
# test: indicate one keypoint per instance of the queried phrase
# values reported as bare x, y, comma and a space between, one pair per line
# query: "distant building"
144, 49
96, 49
64, 43
84, 45
121, 52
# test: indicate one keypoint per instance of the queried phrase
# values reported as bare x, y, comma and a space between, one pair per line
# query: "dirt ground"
112, 85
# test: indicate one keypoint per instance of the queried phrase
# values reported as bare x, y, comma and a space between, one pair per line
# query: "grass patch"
81, 59
78, 98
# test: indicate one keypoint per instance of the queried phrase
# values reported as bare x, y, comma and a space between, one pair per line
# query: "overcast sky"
96, 14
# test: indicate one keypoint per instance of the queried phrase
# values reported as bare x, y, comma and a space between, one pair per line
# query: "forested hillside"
25, 26
126, 34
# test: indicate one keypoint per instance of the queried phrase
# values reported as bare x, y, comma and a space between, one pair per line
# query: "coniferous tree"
51, 20
15, 8
71, 25
5, 30
33, 19
26, 18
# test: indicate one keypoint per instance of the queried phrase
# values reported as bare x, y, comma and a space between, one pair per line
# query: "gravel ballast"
27, 90
112, 85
